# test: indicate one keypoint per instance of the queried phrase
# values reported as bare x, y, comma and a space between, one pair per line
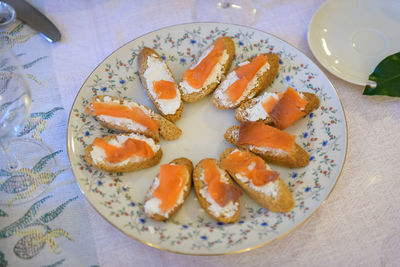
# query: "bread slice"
299, 158
252, 109
275, 197
232, 209
158, 215
154, 70
167, 129
262, 80
190, 94
96, 156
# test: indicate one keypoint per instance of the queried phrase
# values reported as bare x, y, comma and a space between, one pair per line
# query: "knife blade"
34, 18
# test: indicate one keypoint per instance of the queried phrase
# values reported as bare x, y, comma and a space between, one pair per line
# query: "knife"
35, 19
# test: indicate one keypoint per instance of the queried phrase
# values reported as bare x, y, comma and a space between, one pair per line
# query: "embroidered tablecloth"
351, 229
52, 228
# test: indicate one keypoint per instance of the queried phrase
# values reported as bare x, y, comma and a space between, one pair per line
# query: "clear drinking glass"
15, 103
26, 165
229, 11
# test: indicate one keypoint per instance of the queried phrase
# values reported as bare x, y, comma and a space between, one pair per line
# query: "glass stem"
7, 154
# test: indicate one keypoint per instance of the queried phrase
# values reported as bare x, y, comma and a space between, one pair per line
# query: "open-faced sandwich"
123, 115
123, 152
270, 143
169, 189
246, 80
160, 84
278, 109
258, 180
208, 70
215, 191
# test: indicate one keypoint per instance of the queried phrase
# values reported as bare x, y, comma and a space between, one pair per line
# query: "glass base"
31, 173
231, 11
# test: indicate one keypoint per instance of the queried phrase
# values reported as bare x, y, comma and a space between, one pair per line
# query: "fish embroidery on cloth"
24, 182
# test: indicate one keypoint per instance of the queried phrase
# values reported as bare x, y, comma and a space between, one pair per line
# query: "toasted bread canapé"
278, 109
169, 190
127, 116
273, 145
123, 152
215, 190
247, 80
208, 70
160, 84
257, 179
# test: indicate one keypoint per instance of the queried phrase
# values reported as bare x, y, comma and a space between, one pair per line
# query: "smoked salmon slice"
172, 180
131, 147
122, 111
288, 109
261, 135
221, 192
164, 89
245, 74
198, 75
269, 103
250, 166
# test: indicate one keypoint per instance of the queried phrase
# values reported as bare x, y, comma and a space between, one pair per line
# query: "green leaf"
387, 77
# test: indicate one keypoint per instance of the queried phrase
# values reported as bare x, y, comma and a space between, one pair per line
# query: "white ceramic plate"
119, 198
350, 37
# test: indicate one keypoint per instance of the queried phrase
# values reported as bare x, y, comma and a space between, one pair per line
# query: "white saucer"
350, 37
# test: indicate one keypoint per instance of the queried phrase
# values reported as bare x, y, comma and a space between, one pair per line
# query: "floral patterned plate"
119, 197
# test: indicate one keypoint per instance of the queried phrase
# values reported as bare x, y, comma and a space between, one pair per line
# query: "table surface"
353, 225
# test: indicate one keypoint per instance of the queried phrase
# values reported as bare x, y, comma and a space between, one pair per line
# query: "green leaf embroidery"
17, 29
43, 161
51, 215
23, 221
58, 263
387, 77
30, 64
46, 115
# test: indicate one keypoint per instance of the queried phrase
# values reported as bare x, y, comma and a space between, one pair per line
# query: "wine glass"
229, 11
23, 163
15, 103
7, 14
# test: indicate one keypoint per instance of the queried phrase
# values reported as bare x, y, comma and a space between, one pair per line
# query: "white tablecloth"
350, 228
